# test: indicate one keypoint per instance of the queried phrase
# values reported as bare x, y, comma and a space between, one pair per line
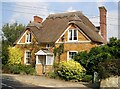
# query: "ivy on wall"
58, 51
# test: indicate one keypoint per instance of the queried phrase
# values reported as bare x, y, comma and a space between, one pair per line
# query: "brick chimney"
38, 19
103, 30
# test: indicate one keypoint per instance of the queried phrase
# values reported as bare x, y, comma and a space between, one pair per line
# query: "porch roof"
44, 52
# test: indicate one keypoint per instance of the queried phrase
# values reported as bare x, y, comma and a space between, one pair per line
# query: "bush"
19, 69
29, 69
109, 68
70, 70
52, 75
14, 55
15, 69
87, 78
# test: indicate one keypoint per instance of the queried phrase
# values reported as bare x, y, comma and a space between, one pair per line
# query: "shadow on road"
9, 82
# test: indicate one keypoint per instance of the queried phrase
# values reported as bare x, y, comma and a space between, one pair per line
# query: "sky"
23, 12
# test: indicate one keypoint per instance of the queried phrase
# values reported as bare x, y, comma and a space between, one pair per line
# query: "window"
28, 57
28, 38
50, 60
73, 35
71, 54
47, 45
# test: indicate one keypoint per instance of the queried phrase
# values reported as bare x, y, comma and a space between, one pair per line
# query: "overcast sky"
23, 12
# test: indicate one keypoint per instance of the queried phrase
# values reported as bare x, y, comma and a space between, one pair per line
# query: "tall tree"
12, 32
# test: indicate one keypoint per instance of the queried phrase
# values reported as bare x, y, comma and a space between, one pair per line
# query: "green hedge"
109, 68
87, 78
19, 69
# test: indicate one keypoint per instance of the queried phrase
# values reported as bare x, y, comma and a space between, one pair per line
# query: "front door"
43, 62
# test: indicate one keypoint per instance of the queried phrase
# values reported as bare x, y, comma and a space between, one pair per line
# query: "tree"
12, 32
98, 55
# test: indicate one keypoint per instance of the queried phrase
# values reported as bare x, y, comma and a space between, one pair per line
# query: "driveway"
42, 81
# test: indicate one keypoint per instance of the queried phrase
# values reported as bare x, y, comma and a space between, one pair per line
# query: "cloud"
70, 9
60, 0
112, 24
26, 10
101, 3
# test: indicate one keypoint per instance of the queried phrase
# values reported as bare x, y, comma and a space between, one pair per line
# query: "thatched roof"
55, 24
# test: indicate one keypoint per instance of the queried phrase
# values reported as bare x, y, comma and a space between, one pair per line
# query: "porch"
44, 61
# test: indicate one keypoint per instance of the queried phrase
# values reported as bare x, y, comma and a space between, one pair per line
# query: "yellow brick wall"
75, 47
39, 69
81, 37
24, 38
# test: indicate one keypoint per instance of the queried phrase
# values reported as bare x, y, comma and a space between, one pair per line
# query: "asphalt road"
12, 84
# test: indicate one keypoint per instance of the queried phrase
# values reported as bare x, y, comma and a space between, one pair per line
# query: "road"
10, 81
13, 84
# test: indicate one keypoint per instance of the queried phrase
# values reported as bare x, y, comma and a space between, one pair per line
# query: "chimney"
38, 19
103, 30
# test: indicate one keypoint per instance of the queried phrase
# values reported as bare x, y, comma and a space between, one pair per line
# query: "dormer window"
72, 35
47, 45
28, 38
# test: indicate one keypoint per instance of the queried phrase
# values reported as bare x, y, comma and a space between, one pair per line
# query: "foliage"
33, 47
4, 55
70, 70
15, 55
87, 78
83, 56
90, 60
59, 50
19, 69
52, 75
109, 68
12, 32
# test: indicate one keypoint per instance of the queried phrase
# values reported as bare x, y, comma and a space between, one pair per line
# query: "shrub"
70, 70
19, 69
109, 68
52, 75
15, 69
29, 69
14, 55
87, 78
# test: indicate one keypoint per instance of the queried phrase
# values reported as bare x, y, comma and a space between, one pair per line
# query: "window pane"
75, 35
70, 34
50, 60
28, 57
72, 54
29, 37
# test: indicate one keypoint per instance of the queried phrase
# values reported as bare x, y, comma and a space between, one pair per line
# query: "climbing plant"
33, 47
58, 51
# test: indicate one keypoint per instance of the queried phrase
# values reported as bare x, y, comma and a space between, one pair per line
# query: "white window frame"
72, 35
68, 58
47, 46
37, 59
28, 37
25, 61
48, 59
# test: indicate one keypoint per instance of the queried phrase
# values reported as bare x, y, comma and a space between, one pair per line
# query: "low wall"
39, 69
112, 82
